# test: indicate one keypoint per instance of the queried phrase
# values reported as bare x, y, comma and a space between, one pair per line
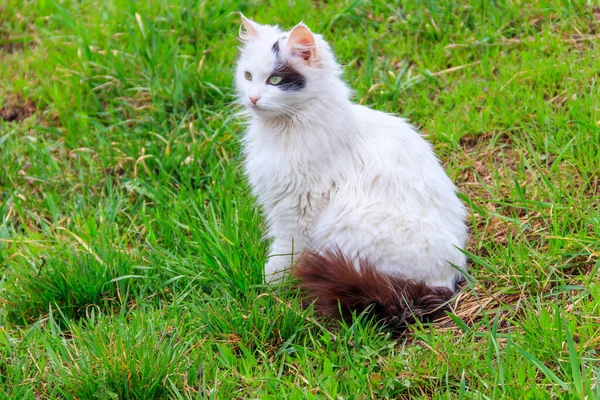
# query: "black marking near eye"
290, 78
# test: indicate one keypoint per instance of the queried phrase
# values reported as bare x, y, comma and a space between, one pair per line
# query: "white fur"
329, 173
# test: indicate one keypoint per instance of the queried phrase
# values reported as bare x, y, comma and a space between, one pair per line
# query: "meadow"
131, 250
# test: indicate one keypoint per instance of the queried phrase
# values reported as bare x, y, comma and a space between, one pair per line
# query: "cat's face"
277, 71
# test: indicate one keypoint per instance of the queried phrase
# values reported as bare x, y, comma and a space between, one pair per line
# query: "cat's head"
280, 73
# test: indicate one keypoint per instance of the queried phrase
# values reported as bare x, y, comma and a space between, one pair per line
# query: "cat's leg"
283, 254
290, 231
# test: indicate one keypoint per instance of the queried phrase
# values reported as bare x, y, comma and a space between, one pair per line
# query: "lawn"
131, 250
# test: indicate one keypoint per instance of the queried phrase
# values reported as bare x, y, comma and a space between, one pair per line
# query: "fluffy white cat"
354, 199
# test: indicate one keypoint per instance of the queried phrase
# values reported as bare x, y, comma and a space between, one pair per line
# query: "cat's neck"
325, 132
320, 114
328, 113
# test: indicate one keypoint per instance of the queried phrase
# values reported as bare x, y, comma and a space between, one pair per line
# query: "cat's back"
405, 211
398, 166
393, 141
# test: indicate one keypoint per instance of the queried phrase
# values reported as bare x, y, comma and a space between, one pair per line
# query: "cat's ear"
248, 29
302, 42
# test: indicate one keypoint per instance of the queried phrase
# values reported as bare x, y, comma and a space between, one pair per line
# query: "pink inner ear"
302, 42
303, 36
249, 26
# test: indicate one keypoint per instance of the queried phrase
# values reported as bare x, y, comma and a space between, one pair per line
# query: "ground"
131, 250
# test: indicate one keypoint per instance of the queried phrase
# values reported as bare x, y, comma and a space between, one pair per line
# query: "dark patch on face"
290, 78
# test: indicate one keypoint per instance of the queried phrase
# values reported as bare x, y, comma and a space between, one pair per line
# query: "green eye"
248, 75
275, 80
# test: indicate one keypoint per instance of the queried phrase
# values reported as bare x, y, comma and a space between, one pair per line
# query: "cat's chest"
282, 179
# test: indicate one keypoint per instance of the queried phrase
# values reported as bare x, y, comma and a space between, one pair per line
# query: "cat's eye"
248, 75
274, 80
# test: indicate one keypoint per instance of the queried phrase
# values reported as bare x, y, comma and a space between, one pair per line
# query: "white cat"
356, 195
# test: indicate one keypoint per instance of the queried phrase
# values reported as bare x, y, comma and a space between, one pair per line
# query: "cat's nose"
254, 99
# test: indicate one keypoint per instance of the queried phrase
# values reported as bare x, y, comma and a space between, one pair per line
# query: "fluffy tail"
339, 289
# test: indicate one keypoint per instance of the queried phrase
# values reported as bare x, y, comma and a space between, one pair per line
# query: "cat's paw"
277, 269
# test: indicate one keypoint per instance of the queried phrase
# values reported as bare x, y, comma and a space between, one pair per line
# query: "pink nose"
254, 99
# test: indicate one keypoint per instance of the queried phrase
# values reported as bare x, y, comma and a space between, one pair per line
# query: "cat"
356, 203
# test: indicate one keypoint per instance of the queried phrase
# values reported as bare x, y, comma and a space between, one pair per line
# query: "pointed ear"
302, 42
248, 29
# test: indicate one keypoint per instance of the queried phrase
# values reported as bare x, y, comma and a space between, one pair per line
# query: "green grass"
130, 247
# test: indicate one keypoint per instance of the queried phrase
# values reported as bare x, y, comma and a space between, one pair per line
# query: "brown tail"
339, 289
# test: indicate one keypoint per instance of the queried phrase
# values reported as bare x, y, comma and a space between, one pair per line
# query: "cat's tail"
338, 289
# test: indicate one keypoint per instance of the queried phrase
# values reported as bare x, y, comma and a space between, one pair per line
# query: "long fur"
339, 290
330, 174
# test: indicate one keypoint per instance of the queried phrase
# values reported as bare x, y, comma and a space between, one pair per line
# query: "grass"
130, 248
